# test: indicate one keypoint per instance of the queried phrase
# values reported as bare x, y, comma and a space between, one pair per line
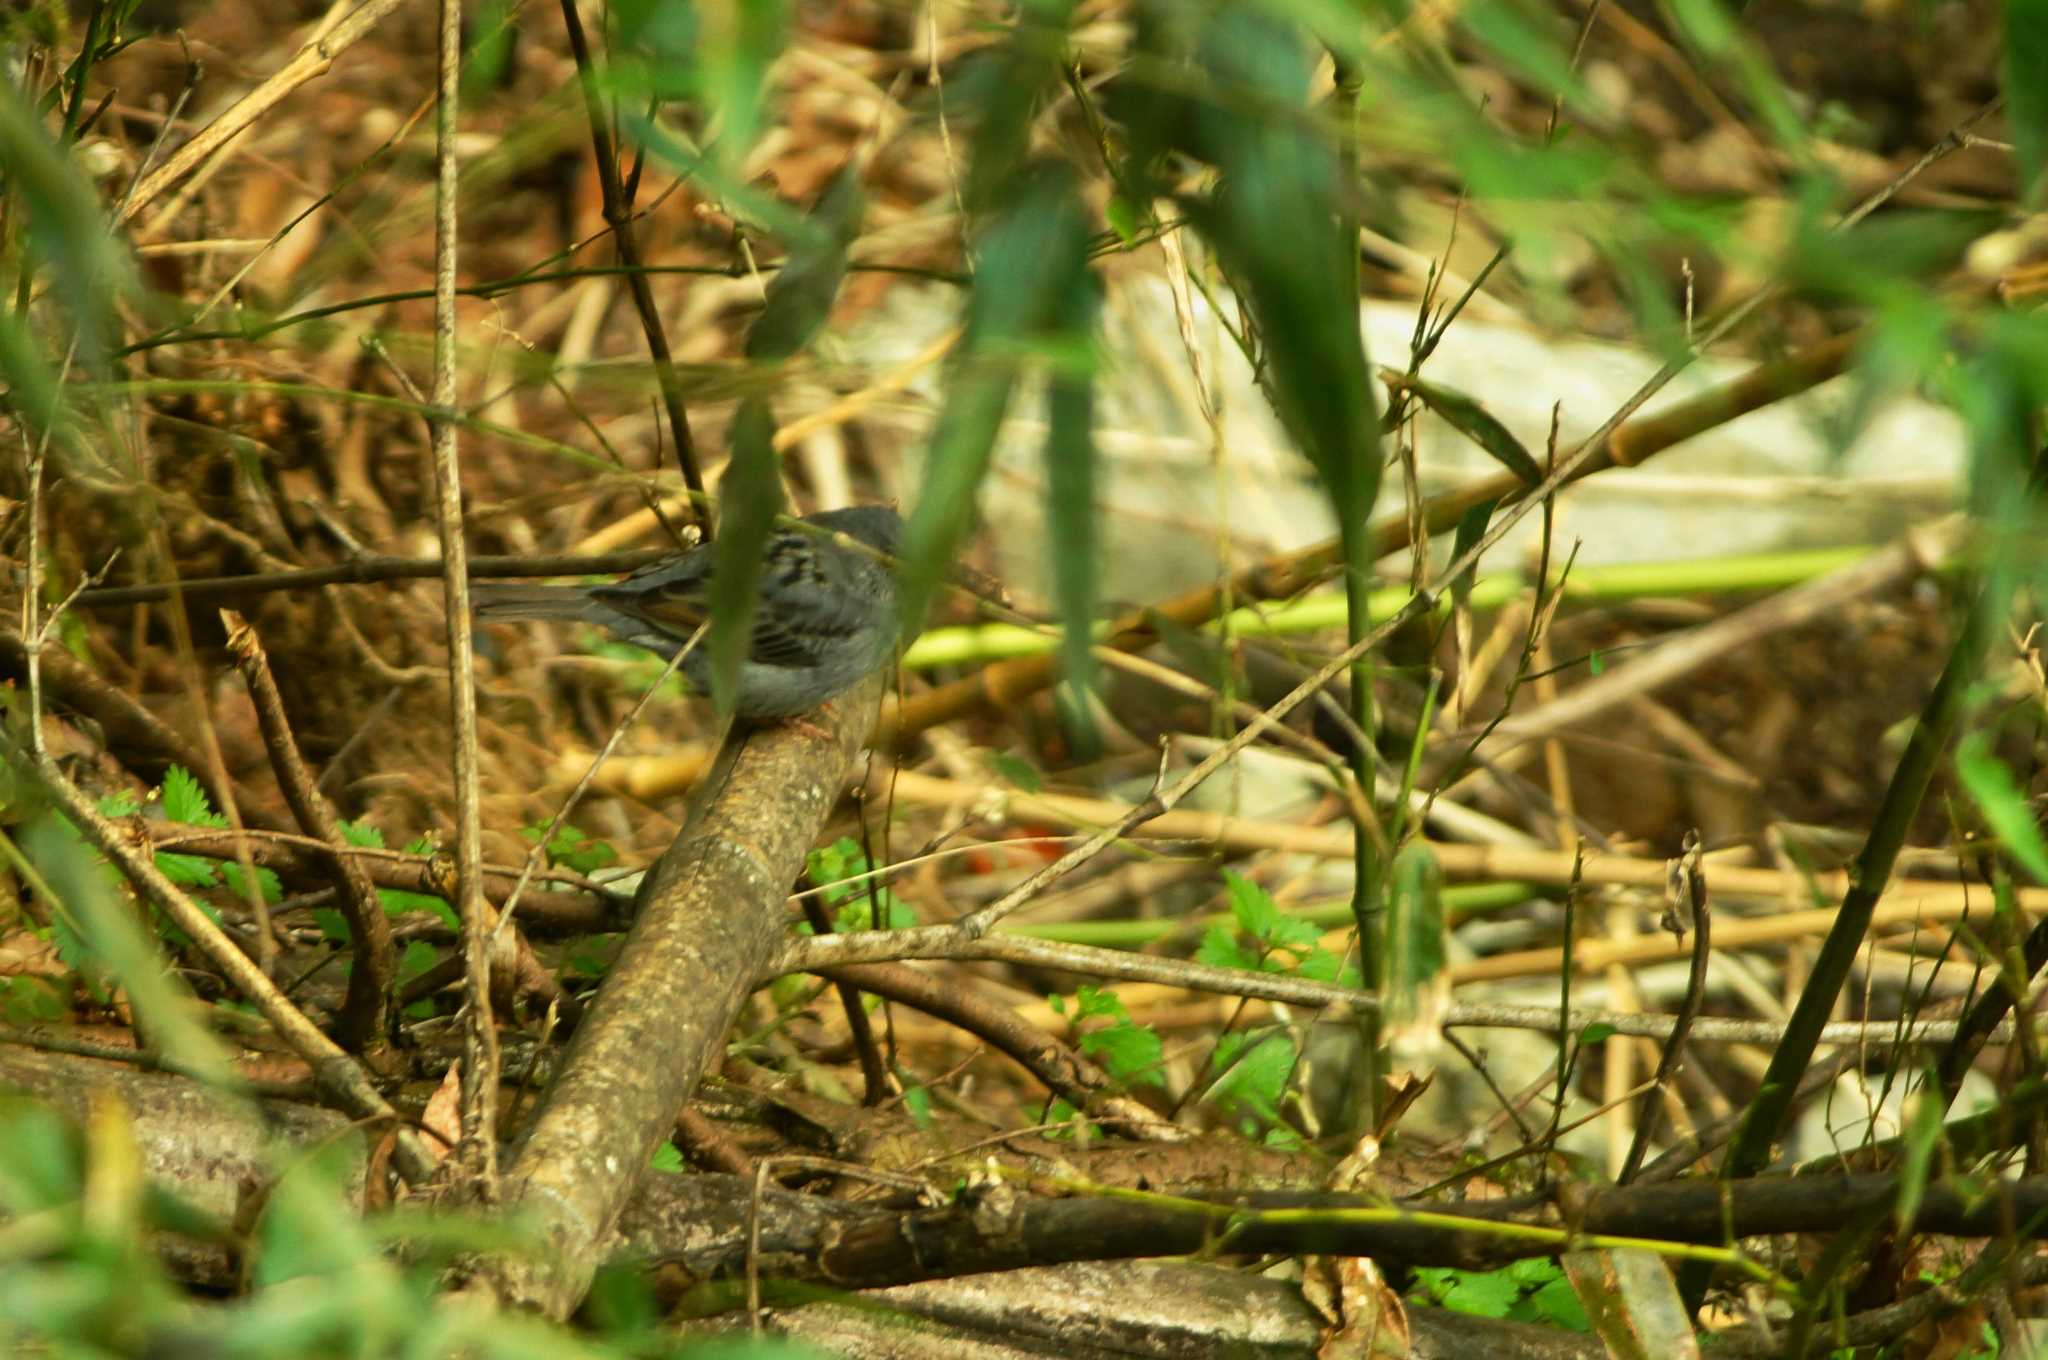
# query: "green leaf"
1921, 1137
1557, 1304
417, 958
1596, 1032
857, 912
801, 294
1016, 771
1127, 1052
1253, 1078
1319, 965
122, 804
1094, 1002
266, 881
68, 229
333, 925
2025, 77
1465, 415
718, 55
1298, 281
831, 864
362, 834
1070, 459
1253, 906
399, 902
79, 879
1471, 528
187, 871
31, 1000
571, 849
667, 1157
749, 499
1033, 252
185, 801
2005, 807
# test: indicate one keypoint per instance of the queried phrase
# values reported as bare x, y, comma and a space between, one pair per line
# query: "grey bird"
824, 618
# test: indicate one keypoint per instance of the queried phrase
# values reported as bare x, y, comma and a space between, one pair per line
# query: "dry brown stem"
366, 1012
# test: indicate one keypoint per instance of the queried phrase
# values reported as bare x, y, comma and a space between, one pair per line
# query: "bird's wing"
812, 597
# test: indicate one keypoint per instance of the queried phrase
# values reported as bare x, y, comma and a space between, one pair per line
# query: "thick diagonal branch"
710, 919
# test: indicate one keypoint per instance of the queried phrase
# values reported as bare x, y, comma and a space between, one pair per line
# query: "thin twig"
618, 215
362, 570
366, 1013
479, 1150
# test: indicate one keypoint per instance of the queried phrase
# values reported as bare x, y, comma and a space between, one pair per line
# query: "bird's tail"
509, 604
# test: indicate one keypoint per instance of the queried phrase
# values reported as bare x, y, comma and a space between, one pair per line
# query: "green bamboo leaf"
718, 53
2025, 74
1070, 458
1918, 1141
1471, 528
801, 294
66, 228
1033, 250
749, 500
1004, 90
2004, 805
1275, 225
1465, 415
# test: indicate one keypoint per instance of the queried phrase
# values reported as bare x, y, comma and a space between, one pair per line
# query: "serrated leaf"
333, 925
1489, 1293
185, 801
1557, 1304
1220, 949
362, 834
79, 879
1093, 1002
266, 880
188, 871
399, 902
122, 804
1253, 1082
1127, 1052
1292, 932
1319, 965
1253, 906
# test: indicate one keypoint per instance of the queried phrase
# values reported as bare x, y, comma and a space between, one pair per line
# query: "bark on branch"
710, 918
